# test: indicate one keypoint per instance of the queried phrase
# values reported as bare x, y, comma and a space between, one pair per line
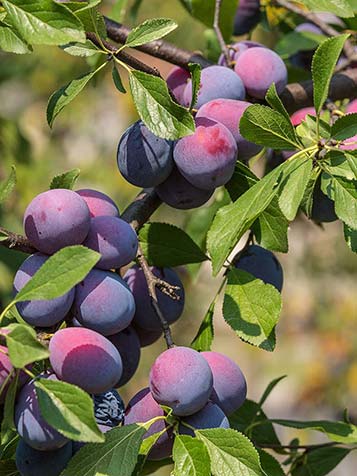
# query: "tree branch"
15, 242
218, 32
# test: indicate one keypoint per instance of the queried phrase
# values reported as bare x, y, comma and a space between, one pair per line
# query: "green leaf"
167, 245
344, 193
155, 107
195, 70
264, 126
44, 22
345, 127
270, 388
340, 7
342, 164
68, 409
23, 346
335, 430
85, 50
296, 41
7, 186
60, 273
117, 80
269, 464
294, 187
91, 19
275, 102
150, 30
119, 452
11, 41
66, 180
204, 337
191, 457
231, 453
323, 65
352, 162
61, 98
320, 461
8, 429
252, 308
351, 238
8, 468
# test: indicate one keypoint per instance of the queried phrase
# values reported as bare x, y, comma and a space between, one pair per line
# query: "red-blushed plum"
262, 264
216, 82
247, 16
55, 219
142, 408
323, 208
177, 192
103, 302
351, 107
237, 49
29, 423
109, 408
32, 462
176, 81
350, 143
207, 158
114, 239
229, 384
128, 344
259, 68
44, 312
144, 159
99, 203
211, 416
301, 114
181, 379
145, 315
229, 112
147, 337
86, 359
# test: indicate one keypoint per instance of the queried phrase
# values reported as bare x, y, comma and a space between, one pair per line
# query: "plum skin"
128, 345
99, 203
177, 81
210, 416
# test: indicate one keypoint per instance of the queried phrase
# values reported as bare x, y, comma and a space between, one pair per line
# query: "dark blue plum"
323, 208
144, 159
246, 17
147, 337
128, 344
262, 264
211, 416
109, 408
40, 313
99, 203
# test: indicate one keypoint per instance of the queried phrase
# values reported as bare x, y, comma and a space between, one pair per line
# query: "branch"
218, 32
15, 242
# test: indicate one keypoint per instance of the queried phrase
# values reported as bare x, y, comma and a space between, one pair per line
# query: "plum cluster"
186, 172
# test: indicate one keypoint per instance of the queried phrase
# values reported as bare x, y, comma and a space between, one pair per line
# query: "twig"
16, 242
140, 210
153, 282
218, 32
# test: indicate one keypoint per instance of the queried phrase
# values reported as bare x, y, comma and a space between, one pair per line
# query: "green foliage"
8, 430
351, 238
150, 30
204, 337
195, 70
117, 80
86, 49
23, 346
296, 41
12, 42
8, 185
341, 8
320, 462
344, 127
66, 180
270, 464
191, 457
344, 193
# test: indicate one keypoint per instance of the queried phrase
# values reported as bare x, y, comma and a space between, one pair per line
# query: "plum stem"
217, 29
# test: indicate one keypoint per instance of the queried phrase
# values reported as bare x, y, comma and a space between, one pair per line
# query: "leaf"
11, 41
345, 127
86, 49
68, 409
167, 245
231, 453
190, 457
252, 308
117, 80
269, 464
195, 70
341, 163
60, 273
7, 186
120, 450
264, 126
8, 468
335, 430
351, 238
323, 65
270, 388
296, 41
204, 337
294, 187
275, 102
8, 429
344, 193
340, 7
320, 461
66, 180
150, 30
61, 98
44, 22
155, 107
23, 346
352, 162
91, 19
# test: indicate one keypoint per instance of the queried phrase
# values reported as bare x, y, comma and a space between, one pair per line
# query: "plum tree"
179, 193
229, 112
109, 408
142, 408
99, 203
114, 239
229, 384
55, 219
29, 422
41, 313
145, 316
85, 358
247, 16
262, 264
207, 157
32, 462
177, 81
128, 344
210, 416
181, 379
144, 159
103, 302
216, 82
259, 68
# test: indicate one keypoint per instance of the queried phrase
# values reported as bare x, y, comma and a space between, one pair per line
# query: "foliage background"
317, 339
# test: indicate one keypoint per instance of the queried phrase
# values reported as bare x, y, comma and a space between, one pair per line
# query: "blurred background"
317, 338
